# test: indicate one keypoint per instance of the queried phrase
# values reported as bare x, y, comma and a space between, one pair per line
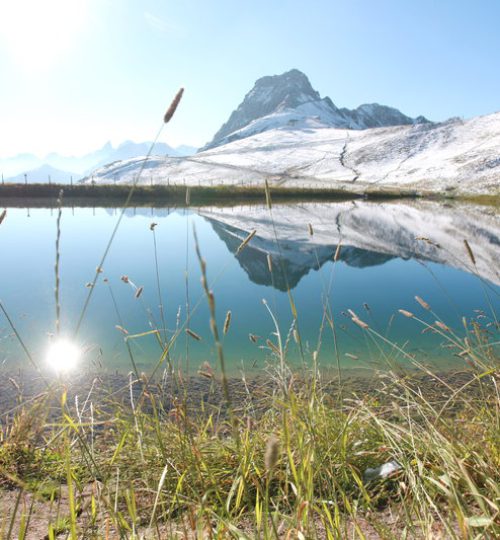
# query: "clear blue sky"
76, 73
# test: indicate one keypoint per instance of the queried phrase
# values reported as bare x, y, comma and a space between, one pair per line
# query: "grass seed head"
270, 263
121, 329
272, 346
227, 322
442, 326
192, 334
360, 323
272, 452
423, 303
337, 252
173, 106
206, 371
469, 252
138, 292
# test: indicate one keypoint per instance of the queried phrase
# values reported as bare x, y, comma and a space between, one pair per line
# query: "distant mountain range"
61, 168
42, 174
290, 100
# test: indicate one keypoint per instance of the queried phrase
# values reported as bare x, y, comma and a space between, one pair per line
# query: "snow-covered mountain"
459, 157
289, 99
370, 234
44, 174
284, 132
80, 165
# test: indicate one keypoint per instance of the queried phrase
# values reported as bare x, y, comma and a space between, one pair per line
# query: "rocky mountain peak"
290, 100
269, 94
276, 92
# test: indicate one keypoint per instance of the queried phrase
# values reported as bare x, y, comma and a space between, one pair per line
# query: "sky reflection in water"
381, 268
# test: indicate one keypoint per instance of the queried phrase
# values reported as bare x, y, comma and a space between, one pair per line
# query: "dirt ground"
386, 524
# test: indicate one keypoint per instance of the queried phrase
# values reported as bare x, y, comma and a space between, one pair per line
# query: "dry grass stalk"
192, 334
173, 106
428, 241
429, 329
253, 338
352, 356
469, 252
245, 242
2, 216
337, 252
188, 196
138, 292
423, 303
56, 266
268, 195
15, 384
311, 230
227, 322
408, 314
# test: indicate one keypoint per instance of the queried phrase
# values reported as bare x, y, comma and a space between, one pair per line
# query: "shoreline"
24, 387
46, 195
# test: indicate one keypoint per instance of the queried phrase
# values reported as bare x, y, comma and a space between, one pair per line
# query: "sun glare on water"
63, 356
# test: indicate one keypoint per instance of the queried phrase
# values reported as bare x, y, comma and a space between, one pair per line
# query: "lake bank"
203, 391
87, 195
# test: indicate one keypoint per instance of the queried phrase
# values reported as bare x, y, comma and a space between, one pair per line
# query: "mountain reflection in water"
370, 233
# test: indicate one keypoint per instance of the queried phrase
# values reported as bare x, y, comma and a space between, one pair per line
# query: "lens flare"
63, 355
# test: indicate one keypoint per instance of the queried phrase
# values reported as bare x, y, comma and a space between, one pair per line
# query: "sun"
63, 355
36, 34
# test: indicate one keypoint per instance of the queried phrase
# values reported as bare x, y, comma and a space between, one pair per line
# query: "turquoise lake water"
390, 253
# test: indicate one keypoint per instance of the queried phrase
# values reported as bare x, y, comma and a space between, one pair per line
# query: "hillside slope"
461, 157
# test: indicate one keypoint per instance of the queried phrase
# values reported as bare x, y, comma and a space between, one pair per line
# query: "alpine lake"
148, 292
